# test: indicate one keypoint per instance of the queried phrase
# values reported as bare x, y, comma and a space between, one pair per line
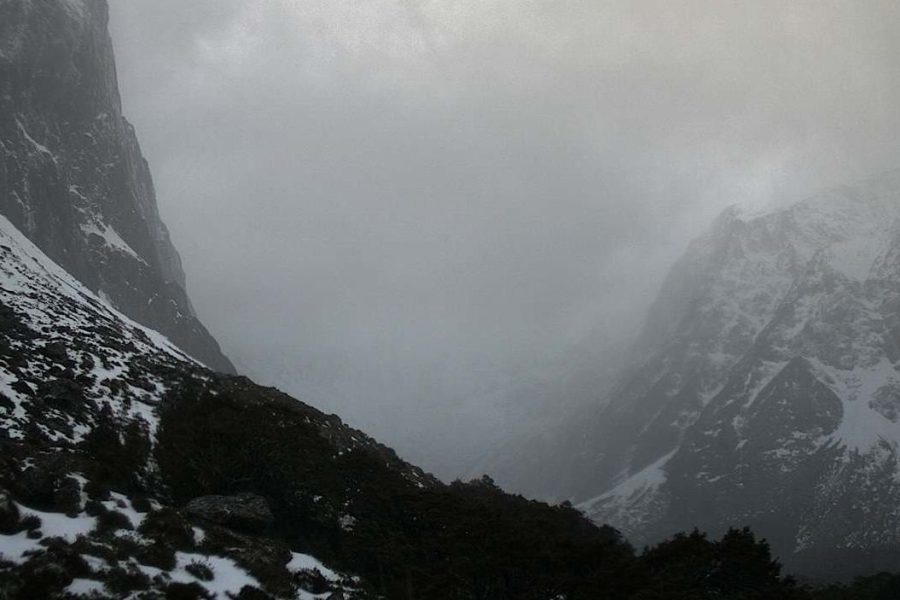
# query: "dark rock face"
72, 176
247, 512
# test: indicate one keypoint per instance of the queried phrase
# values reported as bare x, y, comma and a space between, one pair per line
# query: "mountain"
129, 470
72, 176
132, 466
109, 434
764, 389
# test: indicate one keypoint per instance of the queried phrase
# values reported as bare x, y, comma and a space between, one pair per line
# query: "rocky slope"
80, 390
766, 388
72, 176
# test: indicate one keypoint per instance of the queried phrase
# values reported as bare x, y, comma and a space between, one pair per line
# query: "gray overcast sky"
396, 208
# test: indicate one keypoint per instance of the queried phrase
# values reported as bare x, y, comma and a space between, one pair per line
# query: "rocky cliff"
72, 176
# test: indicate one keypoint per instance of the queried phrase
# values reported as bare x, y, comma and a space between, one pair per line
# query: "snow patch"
862, 427
60, 525
111, 238
228, 577
85, 587
16, 548
648, 478
37, 146
304, 562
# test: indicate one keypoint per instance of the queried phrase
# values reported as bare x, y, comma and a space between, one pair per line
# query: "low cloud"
397, 209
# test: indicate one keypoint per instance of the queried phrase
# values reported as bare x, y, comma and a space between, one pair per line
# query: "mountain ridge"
789, 312
129, 469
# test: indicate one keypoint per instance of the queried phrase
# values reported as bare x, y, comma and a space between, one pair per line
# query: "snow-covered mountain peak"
766, 390
851, 225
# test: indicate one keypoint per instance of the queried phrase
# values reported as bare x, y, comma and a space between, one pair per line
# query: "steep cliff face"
72, 176
767, 389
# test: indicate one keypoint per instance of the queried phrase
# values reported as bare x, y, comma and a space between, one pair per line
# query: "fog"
417, 213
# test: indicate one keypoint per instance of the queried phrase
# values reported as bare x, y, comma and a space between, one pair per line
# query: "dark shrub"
167, 525
157, 554
187, 591
201, 571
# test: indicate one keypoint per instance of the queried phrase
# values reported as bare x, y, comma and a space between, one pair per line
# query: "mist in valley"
446, 222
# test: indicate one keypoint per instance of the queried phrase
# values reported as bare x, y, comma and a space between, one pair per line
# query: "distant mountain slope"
766, 390
72, 176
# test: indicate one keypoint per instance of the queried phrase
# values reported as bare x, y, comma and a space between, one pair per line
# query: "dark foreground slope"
72, 176
127, 470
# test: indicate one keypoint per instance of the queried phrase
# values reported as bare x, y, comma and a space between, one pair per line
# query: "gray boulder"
246, 512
